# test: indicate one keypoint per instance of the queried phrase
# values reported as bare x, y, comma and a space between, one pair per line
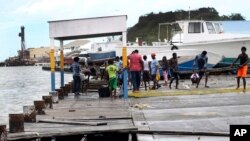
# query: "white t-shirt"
194, 75
146, 66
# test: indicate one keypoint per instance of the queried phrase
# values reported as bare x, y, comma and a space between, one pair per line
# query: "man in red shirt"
136, 65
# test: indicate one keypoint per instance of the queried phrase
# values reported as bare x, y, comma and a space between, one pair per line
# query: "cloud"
43, 6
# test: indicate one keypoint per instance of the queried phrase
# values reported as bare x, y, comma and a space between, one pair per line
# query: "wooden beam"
72, 122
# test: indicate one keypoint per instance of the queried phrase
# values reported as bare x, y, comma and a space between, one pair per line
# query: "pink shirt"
135, 62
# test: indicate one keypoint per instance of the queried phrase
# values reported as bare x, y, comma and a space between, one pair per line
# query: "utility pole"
189, 13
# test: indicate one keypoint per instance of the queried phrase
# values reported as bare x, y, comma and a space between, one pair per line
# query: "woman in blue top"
154, 67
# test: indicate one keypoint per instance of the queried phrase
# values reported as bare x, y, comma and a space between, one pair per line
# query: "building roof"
76, 43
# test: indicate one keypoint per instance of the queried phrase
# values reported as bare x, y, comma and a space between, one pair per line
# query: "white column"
124, 39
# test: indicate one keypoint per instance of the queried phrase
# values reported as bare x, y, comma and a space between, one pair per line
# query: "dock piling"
64, 91
67, 89
29, 113
48, 100
40, 106
3, 133
60, 93
54, 95
16, 123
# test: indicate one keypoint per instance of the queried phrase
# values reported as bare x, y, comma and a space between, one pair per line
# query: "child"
242, 68
112, 71
146, 74
97, 71
194, 78
165, 67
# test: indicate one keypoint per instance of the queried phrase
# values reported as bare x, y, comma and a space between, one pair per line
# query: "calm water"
20, 86
242, 27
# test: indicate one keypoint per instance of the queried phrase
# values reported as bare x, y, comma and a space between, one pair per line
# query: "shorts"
113, 83
242, 72
201, 73
173, 74
145, 76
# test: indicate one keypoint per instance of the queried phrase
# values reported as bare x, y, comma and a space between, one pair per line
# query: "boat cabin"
189, 31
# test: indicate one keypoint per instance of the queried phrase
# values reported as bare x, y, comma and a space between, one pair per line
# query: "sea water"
240, 27
20, 86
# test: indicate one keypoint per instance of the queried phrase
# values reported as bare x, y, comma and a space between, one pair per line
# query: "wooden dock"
182, 117
90, 118
79, 116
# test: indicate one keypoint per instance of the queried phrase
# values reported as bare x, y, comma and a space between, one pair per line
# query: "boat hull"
186, 58
229, 49
101, 56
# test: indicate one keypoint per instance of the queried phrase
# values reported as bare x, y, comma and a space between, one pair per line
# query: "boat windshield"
176, 29
218, 28
210, 28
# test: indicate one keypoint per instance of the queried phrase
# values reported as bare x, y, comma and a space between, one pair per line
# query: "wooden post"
54, 95
3, 133
39, 106
67, 87
71, 84
64, 90
16, 123
60, 93
29, 113
48, 100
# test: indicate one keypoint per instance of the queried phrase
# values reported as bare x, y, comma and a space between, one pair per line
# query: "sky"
35, 14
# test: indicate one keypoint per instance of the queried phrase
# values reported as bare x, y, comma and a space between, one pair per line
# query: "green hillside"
147, 26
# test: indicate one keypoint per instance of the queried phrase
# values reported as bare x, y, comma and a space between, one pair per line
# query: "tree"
236, 17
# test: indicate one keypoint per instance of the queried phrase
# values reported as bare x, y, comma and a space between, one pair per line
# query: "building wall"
39, 52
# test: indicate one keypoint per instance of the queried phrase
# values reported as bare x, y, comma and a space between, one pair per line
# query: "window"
195, 27
218, 28
210, 27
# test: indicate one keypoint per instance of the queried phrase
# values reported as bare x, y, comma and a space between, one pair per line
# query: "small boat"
101, 56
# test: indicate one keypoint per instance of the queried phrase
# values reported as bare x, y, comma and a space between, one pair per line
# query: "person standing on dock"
112, 72
154, 67
136, 65
146, 74
165, 68
242, 68
173, 68
200, 62
75, 68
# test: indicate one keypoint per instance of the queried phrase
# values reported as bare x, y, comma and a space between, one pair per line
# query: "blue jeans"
136, 79
77, 83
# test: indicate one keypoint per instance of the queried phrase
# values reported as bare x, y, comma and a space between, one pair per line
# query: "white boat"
200, 35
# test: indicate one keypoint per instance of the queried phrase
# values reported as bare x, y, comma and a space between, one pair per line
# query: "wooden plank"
100, 118
163, 132
69, 131
72, 122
